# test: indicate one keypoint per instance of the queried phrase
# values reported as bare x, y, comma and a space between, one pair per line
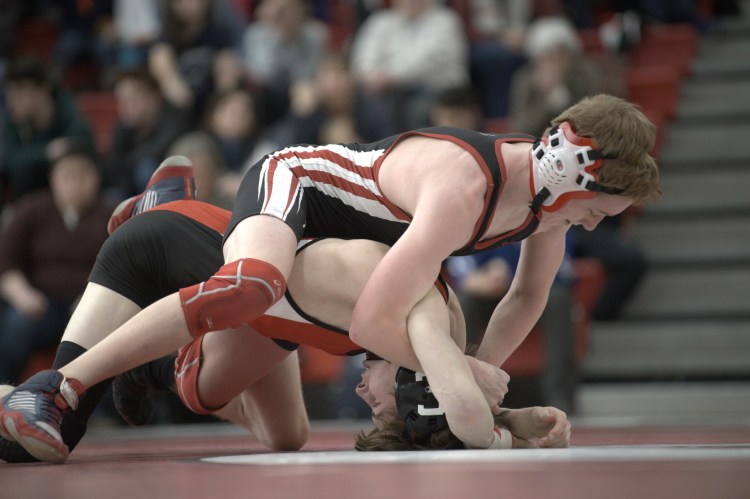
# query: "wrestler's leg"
161, 328
86, 327
273, 408
99, 312
233, 361
247, 378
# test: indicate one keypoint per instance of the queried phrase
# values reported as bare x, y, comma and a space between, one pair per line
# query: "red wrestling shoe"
172, 181
31, 414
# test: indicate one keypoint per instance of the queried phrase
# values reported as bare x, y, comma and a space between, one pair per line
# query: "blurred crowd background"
96, 93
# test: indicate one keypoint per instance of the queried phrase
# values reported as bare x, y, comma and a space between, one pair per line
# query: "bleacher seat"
318, 367
657, 91
36, 37
100, 108
39, 361
528, 359
666, 46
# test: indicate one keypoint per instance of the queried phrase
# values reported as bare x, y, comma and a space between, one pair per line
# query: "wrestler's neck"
513, 205
517, 160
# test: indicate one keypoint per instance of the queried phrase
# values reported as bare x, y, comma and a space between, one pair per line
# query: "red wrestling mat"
607, 463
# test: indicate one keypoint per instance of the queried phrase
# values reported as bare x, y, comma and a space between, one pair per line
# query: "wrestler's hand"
492, 380
539, 426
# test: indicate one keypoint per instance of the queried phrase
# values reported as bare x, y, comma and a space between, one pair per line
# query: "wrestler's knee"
292, 437
187, 369
236, 295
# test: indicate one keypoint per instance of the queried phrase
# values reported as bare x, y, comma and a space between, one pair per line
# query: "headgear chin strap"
418, 406
564, 167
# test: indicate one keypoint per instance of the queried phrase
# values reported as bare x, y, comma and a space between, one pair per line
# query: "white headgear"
565, 165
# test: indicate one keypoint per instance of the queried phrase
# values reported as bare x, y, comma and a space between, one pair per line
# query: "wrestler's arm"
409, 269
492, 380
520, 309
451, 379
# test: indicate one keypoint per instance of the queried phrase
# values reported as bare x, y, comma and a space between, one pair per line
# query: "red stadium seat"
528, 359
100, 108
667, 46
318, 367
496, 125
39, 361
655, 89
36, 37
591, 41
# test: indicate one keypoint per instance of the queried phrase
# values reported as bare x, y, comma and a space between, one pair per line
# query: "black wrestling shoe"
13, 452
133, 390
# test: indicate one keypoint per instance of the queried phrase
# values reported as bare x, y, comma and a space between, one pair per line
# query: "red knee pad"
236, 295
186, 370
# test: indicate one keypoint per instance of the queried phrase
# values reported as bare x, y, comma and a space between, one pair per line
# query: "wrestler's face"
378, 390
589, 212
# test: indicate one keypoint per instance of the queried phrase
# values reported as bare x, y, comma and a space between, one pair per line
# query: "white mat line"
593, 453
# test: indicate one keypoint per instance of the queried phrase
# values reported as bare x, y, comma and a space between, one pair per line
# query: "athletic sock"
74, 423
162, 372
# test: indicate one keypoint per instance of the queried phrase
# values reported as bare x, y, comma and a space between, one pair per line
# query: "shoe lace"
42, 404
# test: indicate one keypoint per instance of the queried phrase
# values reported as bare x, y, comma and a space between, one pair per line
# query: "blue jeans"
492, 67
21, 336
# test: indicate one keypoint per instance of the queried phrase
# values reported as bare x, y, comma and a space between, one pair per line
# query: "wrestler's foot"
133, 390
32, 413
172, 181
12, 452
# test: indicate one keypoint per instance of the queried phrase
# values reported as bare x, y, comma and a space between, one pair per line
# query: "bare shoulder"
420, 168
432, 153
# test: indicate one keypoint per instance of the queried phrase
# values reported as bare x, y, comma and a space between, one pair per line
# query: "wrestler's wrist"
502, 438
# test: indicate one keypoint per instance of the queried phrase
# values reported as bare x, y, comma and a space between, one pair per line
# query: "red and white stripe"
334, 170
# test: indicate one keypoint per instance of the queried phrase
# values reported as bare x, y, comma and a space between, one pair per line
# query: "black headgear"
417, 405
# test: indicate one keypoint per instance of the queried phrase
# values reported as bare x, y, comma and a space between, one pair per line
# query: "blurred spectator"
37, 120
12, 15
146, 127
405, 54
47, 250
232, 122
231, 119
483, 279
556, 76
583, 12
457, 107
282, 48
137, 26
331, 110
194, 57
624, 262
498, 29
208, 167
345, 402
86, 31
